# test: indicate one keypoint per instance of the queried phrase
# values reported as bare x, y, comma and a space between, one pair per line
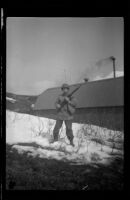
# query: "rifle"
70, 95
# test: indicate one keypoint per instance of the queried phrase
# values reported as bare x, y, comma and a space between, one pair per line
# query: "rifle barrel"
74, 91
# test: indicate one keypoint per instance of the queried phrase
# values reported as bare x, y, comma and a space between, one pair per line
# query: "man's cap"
65, 85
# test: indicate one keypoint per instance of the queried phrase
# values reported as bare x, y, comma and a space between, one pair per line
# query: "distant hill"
31, 98
20, 103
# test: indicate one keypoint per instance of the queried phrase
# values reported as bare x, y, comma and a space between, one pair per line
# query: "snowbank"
11, 99
23, 131
28, 128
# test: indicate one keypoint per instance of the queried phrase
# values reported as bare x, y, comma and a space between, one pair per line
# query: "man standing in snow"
65, 107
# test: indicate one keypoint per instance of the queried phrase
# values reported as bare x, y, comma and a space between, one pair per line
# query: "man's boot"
71, 143
55, 139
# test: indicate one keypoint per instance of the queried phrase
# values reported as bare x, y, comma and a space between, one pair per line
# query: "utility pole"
114, 69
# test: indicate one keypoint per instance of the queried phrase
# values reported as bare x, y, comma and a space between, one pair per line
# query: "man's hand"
58, 105
67, 99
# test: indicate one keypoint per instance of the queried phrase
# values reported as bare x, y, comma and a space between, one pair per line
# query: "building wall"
108, 117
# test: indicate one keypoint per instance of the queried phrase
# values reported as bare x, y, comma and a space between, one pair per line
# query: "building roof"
101, 93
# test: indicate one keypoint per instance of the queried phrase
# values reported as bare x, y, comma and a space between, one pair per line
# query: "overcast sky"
46, 52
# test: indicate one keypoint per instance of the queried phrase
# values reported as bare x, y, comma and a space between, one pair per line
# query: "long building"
99, 103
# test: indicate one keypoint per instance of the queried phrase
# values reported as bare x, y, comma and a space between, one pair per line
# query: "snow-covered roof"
117, 74
100, 93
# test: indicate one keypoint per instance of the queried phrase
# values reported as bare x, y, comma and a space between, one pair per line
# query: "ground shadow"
25, 172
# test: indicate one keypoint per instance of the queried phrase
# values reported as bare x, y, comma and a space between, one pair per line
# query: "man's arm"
72, 105
57, 103
71, 101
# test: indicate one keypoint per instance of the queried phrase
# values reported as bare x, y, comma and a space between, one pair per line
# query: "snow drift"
23, 131
11, 99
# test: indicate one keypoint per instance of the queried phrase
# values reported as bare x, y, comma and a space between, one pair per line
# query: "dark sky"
45, 52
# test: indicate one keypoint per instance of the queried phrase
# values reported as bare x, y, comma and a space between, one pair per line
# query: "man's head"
65, 88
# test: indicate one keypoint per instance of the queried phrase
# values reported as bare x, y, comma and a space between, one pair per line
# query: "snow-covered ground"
29, 130
11, 99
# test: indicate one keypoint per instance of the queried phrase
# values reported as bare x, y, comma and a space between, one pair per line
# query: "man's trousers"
69, 132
